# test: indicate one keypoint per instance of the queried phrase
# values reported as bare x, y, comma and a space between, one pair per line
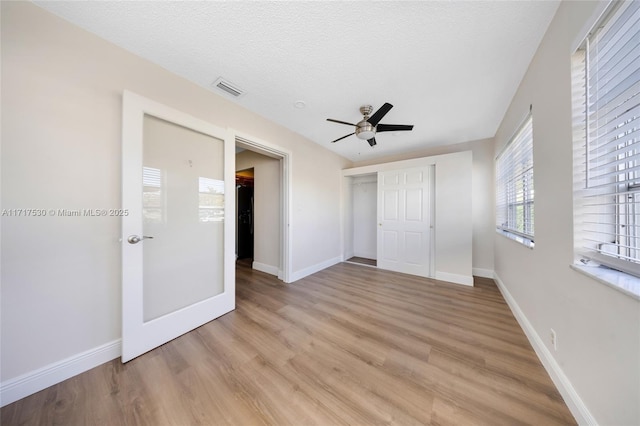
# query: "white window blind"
606, 84
514, 184
151, 177
152, 195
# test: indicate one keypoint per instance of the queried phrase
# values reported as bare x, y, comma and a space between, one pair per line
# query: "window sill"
625, 283
517, 238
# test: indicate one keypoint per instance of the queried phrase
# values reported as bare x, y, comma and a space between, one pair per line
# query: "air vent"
227, 87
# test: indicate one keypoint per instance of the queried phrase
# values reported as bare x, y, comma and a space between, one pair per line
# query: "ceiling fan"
367, 128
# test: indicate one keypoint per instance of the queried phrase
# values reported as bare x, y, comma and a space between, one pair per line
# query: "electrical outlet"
554, 340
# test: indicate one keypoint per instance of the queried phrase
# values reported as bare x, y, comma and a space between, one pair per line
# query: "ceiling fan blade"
345, 136
377, 116
341, 122
372, 141
393, 127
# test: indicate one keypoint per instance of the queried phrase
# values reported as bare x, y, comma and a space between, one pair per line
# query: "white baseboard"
564, 386
454, 278
483, 273
34, 381
267, 269
315, 268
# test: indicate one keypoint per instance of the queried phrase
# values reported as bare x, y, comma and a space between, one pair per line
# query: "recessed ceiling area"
450, 68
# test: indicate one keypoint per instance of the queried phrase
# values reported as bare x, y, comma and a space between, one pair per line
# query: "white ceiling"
449, 67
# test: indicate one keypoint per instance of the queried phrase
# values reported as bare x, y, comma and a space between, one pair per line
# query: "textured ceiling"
450, 68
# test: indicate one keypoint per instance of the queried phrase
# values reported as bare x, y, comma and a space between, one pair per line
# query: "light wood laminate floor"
348, 345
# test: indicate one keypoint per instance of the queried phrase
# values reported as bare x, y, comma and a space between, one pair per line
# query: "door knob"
134, 239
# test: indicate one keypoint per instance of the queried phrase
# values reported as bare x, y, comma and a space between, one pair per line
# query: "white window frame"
606, 102
515, 204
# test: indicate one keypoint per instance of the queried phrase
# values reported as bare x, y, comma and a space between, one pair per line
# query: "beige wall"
598, 328
61, 131
482, 195
266, 240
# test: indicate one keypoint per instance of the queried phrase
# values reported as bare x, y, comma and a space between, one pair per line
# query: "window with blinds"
514, 186
211, 199
606, 100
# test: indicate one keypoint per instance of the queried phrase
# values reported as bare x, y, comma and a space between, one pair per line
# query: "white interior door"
178, 234
404, 221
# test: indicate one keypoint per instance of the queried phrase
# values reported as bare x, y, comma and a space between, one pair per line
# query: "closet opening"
423, 217
363, 217
388, 219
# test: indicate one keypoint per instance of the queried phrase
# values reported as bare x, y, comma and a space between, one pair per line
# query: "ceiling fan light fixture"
365, 130
365, 135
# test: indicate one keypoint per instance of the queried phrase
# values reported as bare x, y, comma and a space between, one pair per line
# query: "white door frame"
284, 155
